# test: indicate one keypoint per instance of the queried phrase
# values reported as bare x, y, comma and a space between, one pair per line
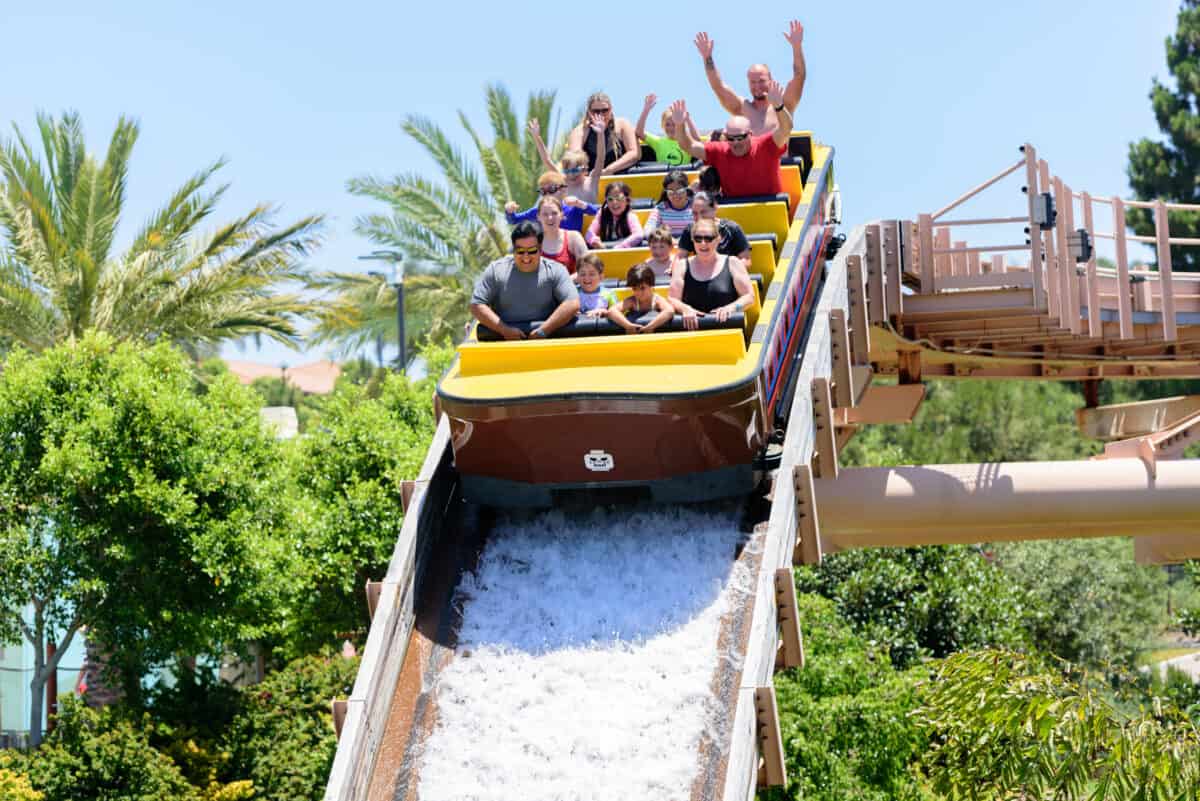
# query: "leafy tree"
1093, 604
283, 740
1168, 169
444, 230
920, 602
1004, 725
133, 506
101, 755
60, 276
979, 421
844, 717
348, 513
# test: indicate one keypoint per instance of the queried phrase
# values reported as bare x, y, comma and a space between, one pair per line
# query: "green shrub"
102, 756
14, 785
918, 602
283, 740
844, 716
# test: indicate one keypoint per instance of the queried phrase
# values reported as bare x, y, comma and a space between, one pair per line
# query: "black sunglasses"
736, 137
704, 237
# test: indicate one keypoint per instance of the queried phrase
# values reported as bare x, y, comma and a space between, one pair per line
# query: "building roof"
316, 378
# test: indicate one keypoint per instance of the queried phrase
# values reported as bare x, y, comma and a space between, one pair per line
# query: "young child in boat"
594, 300
641, 280
662, 252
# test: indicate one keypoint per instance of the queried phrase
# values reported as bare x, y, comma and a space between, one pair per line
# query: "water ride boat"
676, 415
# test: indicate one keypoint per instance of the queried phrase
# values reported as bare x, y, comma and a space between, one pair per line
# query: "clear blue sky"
301, 96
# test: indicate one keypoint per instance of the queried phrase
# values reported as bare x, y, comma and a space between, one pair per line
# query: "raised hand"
596, 122
704, 45
795, 34
651, 99
775, 93
571, 200
535, 128
679, 112
511, 207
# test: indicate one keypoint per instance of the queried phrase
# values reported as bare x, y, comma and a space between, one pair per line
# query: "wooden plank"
1091, 282
373, 589
1124, 291
839, 339
1053, 283
925, 253
788, 611
808, 522
825, 458
891, 267
860, 329
1066, 227
873, 264
1162, 231
770, 739
1035, 242
942, 264
958, 261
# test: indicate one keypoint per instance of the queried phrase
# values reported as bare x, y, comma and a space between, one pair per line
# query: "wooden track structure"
903, 302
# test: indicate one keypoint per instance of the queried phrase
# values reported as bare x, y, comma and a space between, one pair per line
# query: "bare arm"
640, 130
691, 127
730, 100
565, 312
487, 317
693, 146
783, 131
575, 138
795, 87
617, 315
535, 130
633, 152
592, 182
635, 230
665, 312
675, 297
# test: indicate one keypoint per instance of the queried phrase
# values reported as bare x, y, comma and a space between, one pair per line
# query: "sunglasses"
601, 110
526, 251
573, 170
736, 137
615, 199
550, 190
704, 237
677, 192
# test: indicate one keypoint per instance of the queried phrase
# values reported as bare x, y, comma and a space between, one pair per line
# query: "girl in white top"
674, 208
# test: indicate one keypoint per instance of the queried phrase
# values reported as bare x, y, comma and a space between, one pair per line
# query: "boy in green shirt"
666, 149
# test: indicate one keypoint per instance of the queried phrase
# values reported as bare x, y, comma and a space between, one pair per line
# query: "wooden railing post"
1162, 233
1068, 292
925, 251
1035, 241
1095, 325
1053, 282
1124, 290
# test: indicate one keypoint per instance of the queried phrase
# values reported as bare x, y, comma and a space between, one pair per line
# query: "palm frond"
502, 114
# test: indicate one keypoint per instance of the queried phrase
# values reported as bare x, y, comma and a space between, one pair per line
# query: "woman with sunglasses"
564, 247
617, 225
674, 208
731, 239
619, 150
553, 184
710, 283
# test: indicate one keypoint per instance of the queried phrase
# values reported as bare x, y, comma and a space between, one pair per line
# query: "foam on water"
585, 658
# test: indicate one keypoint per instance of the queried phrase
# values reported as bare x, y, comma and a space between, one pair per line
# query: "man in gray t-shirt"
524, 287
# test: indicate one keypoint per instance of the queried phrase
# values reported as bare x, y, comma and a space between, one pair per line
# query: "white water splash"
585, 659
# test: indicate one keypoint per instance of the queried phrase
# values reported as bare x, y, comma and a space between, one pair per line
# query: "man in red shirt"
749, 165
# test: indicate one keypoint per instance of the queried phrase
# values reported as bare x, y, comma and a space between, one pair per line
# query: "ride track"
877, 310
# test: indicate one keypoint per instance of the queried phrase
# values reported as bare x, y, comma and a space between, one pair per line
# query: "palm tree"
59, 275
445, 230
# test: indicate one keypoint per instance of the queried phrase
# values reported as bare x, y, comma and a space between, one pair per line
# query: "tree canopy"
1167, 169
60, 276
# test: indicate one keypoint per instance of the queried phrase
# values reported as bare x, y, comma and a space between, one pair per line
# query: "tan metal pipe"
965, 503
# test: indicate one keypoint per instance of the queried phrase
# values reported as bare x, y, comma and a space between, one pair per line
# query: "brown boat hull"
680, 448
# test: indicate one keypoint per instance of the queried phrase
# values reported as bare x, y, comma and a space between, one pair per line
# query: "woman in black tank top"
708, 283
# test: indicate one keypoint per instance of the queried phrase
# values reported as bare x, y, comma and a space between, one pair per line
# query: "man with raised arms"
761, 114
748, 164
524, 287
